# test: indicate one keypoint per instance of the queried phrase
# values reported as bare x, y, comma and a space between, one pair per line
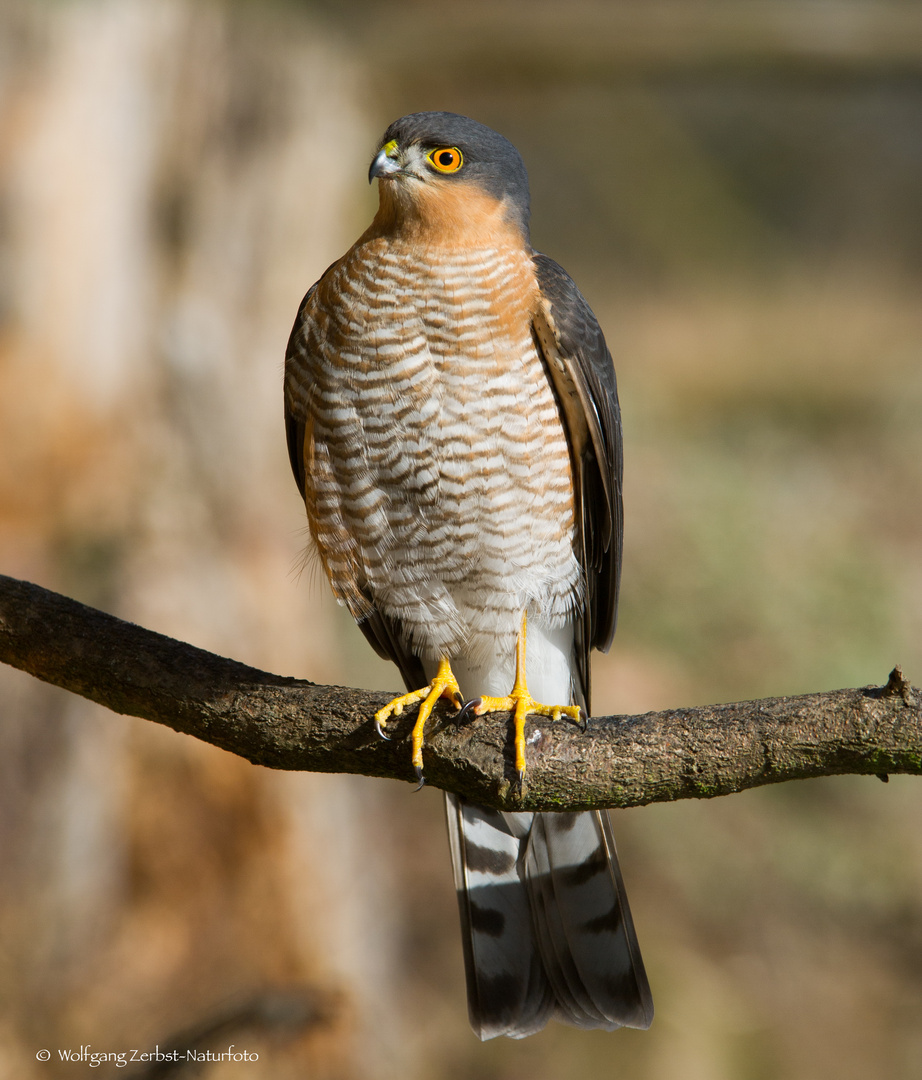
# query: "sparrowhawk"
454, 429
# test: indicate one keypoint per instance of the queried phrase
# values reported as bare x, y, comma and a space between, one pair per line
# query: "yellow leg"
443, 685
521, 703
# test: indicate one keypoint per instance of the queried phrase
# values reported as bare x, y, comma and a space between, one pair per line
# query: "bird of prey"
454, 429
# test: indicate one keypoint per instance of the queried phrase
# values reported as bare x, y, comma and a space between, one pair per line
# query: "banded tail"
545, 922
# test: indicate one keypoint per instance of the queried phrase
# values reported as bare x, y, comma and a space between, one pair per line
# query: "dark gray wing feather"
296, 424
581, 371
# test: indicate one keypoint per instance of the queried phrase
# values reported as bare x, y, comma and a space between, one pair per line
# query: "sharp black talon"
458, 700
520, 780
420, 778
380, 731
583, 723
467, 708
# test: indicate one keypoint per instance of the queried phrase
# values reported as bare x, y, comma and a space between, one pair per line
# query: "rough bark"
286, 723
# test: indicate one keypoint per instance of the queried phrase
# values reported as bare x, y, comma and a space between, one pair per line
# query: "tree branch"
288, 723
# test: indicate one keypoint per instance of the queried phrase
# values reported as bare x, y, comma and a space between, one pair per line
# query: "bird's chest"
410, 330
432, 410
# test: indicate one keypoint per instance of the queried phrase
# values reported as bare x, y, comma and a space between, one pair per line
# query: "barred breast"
439, 481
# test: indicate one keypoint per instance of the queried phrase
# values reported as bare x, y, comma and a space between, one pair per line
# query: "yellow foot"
443, 685
521, 703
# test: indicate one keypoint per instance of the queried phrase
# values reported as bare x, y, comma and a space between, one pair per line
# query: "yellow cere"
390, 148
447, 159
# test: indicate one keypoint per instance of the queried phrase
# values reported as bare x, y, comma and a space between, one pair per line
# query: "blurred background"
737, 188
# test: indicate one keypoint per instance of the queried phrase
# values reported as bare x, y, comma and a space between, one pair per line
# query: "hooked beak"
386, 162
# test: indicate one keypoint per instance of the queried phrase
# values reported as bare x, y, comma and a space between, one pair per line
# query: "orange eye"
447, 159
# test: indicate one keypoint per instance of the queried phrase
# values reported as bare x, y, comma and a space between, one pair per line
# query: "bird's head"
444, 173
